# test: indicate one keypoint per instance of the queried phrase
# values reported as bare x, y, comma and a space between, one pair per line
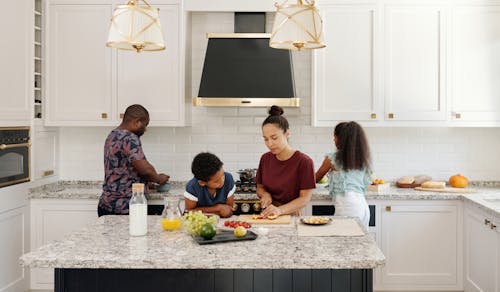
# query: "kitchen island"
103, 257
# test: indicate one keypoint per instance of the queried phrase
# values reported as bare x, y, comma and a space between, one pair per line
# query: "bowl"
163, 188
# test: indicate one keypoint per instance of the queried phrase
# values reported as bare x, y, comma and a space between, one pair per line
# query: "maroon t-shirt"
284, 179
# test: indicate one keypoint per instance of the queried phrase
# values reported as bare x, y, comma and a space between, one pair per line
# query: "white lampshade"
135, 27
297, 26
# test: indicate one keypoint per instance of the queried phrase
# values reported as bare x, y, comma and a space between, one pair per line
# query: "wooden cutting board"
447, 190
285, 219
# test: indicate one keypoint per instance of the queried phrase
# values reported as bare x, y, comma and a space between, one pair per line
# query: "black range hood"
241, 69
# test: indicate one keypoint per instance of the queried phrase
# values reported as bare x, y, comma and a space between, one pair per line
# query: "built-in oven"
14, 155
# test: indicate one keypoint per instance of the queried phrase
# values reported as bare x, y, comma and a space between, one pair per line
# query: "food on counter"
316, 220
240, 231
193, 221
270, 217
434, 184
207, 231
378, 182
235, 224
458, 181
420, 179
171, 223
406, 180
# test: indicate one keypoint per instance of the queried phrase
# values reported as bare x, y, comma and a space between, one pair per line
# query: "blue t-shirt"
202, 196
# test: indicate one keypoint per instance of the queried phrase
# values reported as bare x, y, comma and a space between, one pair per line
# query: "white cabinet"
345, 78
14, 237
422, 242
414, 54
45, 150
17, 62
90, 84
476, 63
482, 251
51, 220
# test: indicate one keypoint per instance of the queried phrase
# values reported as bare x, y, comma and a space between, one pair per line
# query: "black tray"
224, 236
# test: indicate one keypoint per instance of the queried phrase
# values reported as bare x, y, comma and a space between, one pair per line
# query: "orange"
458, 181
171, 224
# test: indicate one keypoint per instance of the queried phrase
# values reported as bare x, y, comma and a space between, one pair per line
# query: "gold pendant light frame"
289, 12
129, 41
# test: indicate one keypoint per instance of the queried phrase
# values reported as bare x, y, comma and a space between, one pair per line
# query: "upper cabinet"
475, 52
344, 78
414, 51
90, 84
17, 61
408, 63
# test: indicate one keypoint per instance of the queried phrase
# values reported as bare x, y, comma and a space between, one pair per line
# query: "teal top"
340, 181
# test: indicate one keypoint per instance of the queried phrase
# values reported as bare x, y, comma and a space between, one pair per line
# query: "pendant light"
297, 26
135, 27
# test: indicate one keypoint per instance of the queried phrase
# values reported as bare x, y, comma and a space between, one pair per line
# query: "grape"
193, 221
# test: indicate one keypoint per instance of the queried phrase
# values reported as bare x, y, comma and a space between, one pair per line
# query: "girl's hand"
271, 210
265, 200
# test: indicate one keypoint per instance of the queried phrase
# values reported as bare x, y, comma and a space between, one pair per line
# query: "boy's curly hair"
205, 165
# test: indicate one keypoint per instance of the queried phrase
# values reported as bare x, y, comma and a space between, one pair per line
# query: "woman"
285, 177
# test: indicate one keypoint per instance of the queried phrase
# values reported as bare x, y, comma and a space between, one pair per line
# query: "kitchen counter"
106, 246
486, 196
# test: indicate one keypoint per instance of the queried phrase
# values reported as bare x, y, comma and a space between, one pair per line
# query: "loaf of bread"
420, 179
406, 180
433, 184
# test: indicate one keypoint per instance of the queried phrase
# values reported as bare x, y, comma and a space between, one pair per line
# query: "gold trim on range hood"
245, 102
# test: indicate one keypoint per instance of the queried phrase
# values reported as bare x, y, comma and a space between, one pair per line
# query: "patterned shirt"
121, 148
202, 196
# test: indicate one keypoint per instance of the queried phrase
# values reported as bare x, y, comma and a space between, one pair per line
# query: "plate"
316, 220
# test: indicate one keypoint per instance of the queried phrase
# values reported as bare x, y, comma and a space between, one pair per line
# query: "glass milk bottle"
138, 211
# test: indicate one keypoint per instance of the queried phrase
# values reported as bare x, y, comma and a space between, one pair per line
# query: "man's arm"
148, 172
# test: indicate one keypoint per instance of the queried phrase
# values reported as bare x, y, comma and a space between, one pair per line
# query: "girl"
285, 177
349, 171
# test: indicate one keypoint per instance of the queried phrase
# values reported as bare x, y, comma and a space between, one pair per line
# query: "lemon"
240, 231
207, 231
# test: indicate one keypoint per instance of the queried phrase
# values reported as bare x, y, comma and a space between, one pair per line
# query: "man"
125, 163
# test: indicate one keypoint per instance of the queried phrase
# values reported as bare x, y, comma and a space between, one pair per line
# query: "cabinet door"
45, 154
476, 63
421, 246
415, 63
79, 65
481, 249
53, 220
155, 79
344, 73
17, 61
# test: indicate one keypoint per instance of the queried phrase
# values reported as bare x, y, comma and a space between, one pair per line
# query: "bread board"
447, 190
284, 219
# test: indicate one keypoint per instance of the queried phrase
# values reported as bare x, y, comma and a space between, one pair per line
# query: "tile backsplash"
234, 134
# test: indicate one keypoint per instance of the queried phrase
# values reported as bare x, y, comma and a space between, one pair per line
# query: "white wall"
234, 134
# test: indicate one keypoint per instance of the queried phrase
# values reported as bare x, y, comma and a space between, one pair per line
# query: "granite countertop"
107, 244
485, 197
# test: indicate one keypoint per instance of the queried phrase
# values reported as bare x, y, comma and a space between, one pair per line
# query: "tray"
224, 236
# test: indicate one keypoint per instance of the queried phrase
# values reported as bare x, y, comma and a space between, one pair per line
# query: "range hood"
241, 69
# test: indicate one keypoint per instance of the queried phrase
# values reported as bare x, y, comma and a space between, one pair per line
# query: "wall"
234, 134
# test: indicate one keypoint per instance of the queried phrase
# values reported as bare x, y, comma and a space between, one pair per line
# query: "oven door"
14, 164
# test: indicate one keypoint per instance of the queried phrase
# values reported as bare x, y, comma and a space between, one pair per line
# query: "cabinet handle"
486, 221
373, 116
122, 115
391, 116
493, 226
458, 115
47, 173
104, 115
388, 208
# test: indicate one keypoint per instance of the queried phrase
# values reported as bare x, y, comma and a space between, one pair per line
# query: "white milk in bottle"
138, 211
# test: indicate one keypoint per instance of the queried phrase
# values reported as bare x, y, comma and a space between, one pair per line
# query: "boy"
211, 190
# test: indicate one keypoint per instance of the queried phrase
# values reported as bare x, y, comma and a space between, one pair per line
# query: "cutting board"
447, 190
337, 227
284, 219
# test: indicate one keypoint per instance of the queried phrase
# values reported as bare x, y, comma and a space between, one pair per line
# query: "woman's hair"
353, 151
275, 117
205, 165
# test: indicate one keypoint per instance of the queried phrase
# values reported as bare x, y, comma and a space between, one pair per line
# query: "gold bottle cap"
138, 188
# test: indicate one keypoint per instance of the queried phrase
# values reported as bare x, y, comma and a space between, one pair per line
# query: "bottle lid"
138, 188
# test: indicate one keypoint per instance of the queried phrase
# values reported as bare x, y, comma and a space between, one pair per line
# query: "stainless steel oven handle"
4, 146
